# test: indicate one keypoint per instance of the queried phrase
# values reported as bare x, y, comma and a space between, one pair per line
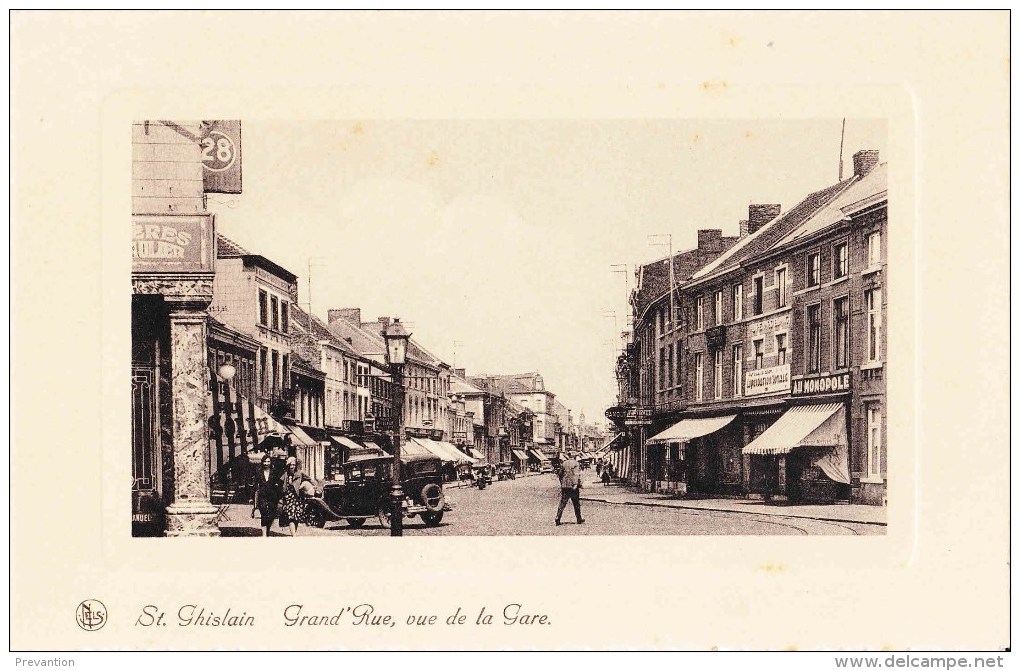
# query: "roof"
228, 249
314, 328
361, 341
301, 364
459, 385
767, 236
653, 278
514, 383
414, 350
872, 185
218, 329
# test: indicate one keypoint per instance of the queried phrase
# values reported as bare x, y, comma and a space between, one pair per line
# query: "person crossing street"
570, 487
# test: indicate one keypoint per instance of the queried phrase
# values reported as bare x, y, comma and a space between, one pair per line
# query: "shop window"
738, 369
717, 374
874, 453
781, 287
717, 308
737, 294
814, 270
780, 349
699, 313
841, 332
759, 295
874, 248
759, 354
263, 308
839, 260
814, 336
699, 376
873, 306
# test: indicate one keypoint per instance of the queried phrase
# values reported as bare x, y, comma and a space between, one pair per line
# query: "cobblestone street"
527, 506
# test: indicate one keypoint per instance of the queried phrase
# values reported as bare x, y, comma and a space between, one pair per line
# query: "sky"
498, 242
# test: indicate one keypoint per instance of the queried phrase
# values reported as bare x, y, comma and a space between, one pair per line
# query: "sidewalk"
626, 495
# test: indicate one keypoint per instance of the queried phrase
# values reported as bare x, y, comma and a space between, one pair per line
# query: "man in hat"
570, 487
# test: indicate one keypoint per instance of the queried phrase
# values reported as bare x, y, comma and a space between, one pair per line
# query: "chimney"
350, 340
760, 214
710, 241
352, 315
864, 161
460, 372
743, 228
384, 323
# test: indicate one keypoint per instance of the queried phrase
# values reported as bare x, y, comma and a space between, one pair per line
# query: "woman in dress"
293, 501
267, 494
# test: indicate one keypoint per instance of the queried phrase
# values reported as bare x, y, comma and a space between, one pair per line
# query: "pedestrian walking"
605, 476
268, 490
293, 496
570, 488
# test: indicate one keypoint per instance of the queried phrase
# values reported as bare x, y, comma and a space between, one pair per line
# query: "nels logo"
91, 615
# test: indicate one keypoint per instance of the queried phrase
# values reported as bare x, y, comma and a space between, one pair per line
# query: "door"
144, 431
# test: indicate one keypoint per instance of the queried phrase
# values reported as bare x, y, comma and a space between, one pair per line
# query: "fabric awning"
374, 448
686, 429
299, 438
447, 451
538, 455
410, 448
521, 455
354, 449
801, 426
609, 441
476, 455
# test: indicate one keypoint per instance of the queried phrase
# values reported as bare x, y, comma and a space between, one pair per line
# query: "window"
699, 313
759, 290
839, 260
781, 287
759, 354
717, 374
841, 332
874, 454
699, 376
814, 335
662, 368
873, 306
285, 316
813, 270
284, 371
874, 249
274, 311
262, 371
738, 369
275, 372
717, 309
263, 308
780, 349
738, 302
669, 364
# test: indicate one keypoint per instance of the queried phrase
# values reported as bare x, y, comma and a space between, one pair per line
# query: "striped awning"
354, 449
609, 442
538, 455
299, 438
521, 455
802, 426
410, 448
686, 429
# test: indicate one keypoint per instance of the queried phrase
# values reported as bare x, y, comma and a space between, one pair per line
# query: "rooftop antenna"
842, 135
656, 241
621, 269
313, 262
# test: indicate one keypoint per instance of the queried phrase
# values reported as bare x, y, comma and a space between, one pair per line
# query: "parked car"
365, 492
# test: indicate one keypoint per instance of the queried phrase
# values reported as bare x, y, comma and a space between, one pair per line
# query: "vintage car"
365, 492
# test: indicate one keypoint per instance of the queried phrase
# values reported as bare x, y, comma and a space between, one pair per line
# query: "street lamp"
396, 354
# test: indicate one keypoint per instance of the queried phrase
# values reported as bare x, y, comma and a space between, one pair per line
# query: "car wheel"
432, 519
384, 513
432, 497
355, 522
315, 517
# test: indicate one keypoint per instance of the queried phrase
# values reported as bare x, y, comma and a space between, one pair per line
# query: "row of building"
757, 363
224, 359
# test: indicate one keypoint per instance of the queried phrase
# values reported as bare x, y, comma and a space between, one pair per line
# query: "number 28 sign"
221, 157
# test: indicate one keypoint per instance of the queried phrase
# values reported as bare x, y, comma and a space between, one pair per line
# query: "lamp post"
396, 353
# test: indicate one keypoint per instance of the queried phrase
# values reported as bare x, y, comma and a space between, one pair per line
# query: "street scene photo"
648, 327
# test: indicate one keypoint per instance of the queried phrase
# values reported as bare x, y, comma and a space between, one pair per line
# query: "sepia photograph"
690, 361
509, 331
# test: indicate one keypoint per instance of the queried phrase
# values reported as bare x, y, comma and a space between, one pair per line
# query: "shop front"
691, 455
803, 457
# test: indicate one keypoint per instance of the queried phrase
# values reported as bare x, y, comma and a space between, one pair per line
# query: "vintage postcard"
546, 348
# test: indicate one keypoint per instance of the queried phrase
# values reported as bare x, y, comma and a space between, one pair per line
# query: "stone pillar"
190, 512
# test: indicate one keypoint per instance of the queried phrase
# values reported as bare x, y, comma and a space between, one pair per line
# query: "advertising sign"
221, 156
767, 380
172, 243
826, 384
383, 424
